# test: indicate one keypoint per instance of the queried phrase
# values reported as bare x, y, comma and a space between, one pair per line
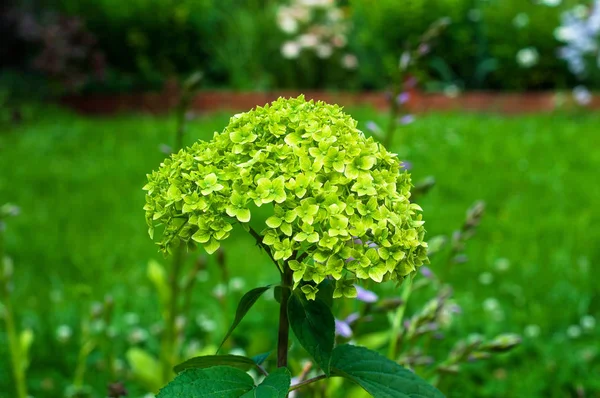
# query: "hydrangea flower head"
340, 201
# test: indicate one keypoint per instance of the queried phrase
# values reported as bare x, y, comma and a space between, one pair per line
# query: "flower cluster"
580, 31
340, 200
316, 26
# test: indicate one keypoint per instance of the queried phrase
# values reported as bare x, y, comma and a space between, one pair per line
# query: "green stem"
307, 382
284, 324
16, 355
393, 114
169, 338
397, 321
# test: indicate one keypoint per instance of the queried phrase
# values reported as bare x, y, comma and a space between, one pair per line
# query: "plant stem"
307, 382
169, 343
393, 115
397, 321
284, 324
11, 329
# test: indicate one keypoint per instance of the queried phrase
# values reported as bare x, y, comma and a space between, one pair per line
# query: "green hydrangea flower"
340, 200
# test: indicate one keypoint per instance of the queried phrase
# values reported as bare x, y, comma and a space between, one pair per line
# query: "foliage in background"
267, 44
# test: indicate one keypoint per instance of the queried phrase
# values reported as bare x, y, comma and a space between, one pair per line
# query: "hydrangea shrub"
340, 200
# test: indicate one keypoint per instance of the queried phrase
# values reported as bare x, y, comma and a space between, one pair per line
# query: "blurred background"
509, 207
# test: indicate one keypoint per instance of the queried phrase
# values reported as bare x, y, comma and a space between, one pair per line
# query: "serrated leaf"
260, 358
314, 327
275, 385
206, 361
379, 376
217, 381
246, 302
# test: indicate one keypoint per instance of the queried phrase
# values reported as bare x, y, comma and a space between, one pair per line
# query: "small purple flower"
342, 328
350, 319
372, 126
406, 119
582, 95
164, 148
402, 98
406, 164
426, 272
364, 295
423, 49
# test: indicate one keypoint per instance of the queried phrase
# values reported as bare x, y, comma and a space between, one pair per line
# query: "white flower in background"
349, 61
315, 3
137, 335
491, 304
237, 284
582, 95
206, 324
131, 318
219, 291
404, 60
532, 331
335, 14
521, 20
324, 51
339, 41
580, 31
588, 322
290, 50
574, 331
308, 40
502, 264
287, 24
64, 333
551, 3
527, 57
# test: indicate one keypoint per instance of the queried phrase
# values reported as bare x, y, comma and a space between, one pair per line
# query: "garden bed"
209, 101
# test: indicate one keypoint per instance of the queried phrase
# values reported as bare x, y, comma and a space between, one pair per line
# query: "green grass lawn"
532, 266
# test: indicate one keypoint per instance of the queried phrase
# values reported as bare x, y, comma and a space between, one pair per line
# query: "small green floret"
340, 200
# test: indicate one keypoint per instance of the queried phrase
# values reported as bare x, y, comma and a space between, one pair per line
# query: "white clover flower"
588, 322
237, 284
491, 304
131, 318
527, 57
219, 291
574, 331
324, 51
551, 3
451, 90
64, 333
521, 20
308, 40
502, 264
349, 61
287, 24
206, 324
137, 335
290, 50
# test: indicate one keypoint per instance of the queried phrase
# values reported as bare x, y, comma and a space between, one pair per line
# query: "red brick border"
209, 101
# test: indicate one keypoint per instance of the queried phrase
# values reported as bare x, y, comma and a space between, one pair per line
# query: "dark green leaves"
236, 361
275, 385
244, 306
218, 381
226, 382
314, 326
379, 376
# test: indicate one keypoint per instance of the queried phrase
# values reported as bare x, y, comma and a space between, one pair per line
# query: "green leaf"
260, 358
379, 376
275, 385
314, 326
206, 361
244, 306
218, 381
325, 292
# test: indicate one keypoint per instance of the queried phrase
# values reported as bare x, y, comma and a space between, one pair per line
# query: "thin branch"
307, 382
